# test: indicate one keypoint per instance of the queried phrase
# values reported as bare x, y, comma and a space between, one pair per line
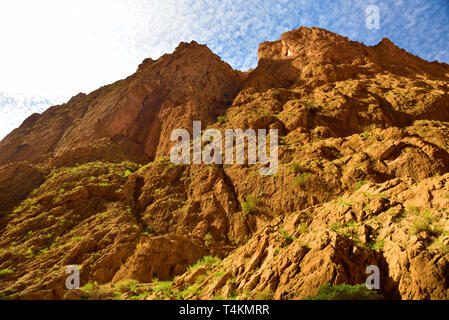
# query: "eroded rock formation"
363, 179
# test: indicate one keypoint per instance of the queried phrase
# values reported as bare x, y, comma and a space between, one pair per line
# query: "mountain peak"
363, 154
386, 42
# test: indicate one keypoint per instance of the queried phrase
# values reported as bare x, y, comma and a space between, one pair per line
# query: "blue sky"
54, 49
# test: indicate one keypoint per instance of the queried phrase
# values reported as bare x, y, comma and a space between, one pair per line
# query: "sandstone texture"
363, 179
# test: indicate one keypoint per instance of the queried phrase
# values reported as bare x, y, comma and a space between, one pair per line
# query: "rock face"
137, 113
17, 180
363, 179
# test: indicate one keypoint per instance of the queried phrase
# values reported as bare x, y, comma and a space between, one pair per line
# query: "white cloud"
15, 108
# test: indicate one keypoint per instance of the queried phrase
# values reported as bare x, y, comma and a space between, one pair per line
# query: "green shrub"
219, 274
287, 238
76, 239
303, 228
232, 295
439, 244
311, 105
378, 245
336, 226
276, 251
345, 292
420, 225
209, 260
193, 289
165, 286
343, 203
6, 272
149, 230
89, 287
302, 179
129, 284
127, 173
414, 210
139, 297
250, 205
221, 119
305, 246
359, 184
295, 167
208, 237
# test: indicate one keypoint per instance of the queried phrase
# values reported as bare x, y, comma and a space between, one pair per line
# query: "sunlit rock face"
362, 179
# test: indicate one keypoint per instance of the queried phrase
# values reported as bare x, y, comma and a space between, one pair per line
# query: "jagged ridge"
362, 178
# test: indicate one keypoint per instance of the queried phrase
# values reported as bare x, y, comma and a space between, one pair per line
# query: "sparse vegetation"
348, 160
250, 205
265, 295
206, 260
194, 289
343, 203
288, 239
295, 167
335, 226
426, 222
439, 244
420, 225
413, 210
89, 288
303, 228
302, 179
208, 237
232, 295
165, 286
127, 173
276, 251
129, 284
6, 272
378, 245
345, 292
359, 184
148, 231
381, 195
221, 119
311, 105
76, 239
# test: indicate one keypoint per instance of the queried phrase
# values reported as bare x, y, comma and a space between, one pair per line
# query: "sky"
53, 49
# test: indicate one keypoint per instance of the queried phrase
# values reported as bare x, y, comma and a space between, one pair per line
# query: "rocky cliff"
363, 179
